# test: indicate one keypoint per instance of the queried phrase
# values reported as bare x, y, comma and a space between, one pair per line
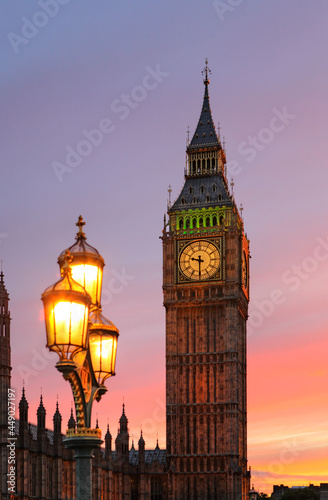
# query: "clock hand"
199, 260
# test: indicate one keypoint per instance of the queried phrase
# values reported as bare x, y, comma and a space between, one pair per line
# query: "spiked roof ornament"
205, 134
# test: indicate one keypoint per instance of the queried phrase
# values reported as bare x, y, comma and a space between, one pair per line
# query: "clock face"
244, 271
199, 260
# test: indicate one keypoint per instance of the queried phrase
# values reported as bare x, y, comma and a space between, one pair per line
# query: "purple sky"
71, 74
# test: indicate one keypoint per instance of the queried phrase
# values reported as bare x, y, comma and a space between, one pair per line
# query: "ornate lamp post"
86, 343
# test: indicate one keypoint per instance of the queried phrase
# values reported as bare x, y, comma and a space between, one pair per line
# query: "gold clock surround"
199, 260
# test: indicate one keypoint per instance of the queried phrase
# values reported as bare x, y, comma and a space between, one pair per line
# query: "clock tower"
206, 295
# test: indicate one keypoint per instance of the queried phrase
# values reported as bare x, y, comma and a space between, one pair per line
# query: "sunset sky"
133, 70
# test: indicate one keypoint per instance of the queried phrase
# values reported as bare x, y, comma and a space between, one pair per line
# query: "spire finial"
219, 131
232, 185
241, 208
170, 192
80, 223
206, 71
188, 138
1, 273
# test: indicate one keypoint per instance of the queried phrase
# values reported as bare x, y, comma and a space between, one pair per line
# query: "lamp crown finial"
80, 223
67, 259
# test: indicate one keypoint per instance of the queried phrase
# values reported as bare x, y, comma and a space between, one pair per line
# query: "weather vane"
206, 71
169, 191
188, 135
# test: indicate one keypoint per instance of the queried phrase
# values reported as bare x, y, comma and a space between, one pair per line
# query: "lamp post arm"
85, 388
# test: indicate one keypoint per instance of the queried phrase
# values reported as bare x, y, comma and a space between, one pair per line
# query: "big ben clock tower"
206, 295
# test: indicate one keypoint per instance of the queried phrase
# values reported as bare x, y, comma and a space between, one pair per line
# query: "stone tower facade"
206, 294
5, 369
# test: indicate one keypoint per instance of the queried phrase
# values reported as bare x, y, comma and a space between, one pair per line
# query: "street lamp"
87, 265
86, 343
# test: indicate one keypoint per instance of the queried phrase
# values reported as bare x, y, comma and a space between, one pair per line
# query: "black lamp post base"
83, 443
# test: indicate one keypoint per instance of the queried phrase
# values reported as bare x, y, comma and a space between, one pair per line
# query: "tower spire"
205, 134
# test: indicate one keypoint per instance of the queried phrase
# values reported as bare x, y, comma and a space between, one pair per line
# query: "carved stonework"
205, 286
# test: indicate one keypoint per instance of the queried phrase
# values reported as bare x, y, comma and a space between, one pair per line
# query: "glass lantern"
86, 265
66, 307
103, 336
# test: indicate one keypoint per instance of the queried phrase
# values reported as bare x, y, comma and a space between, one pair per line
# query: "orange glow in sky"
268, 59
